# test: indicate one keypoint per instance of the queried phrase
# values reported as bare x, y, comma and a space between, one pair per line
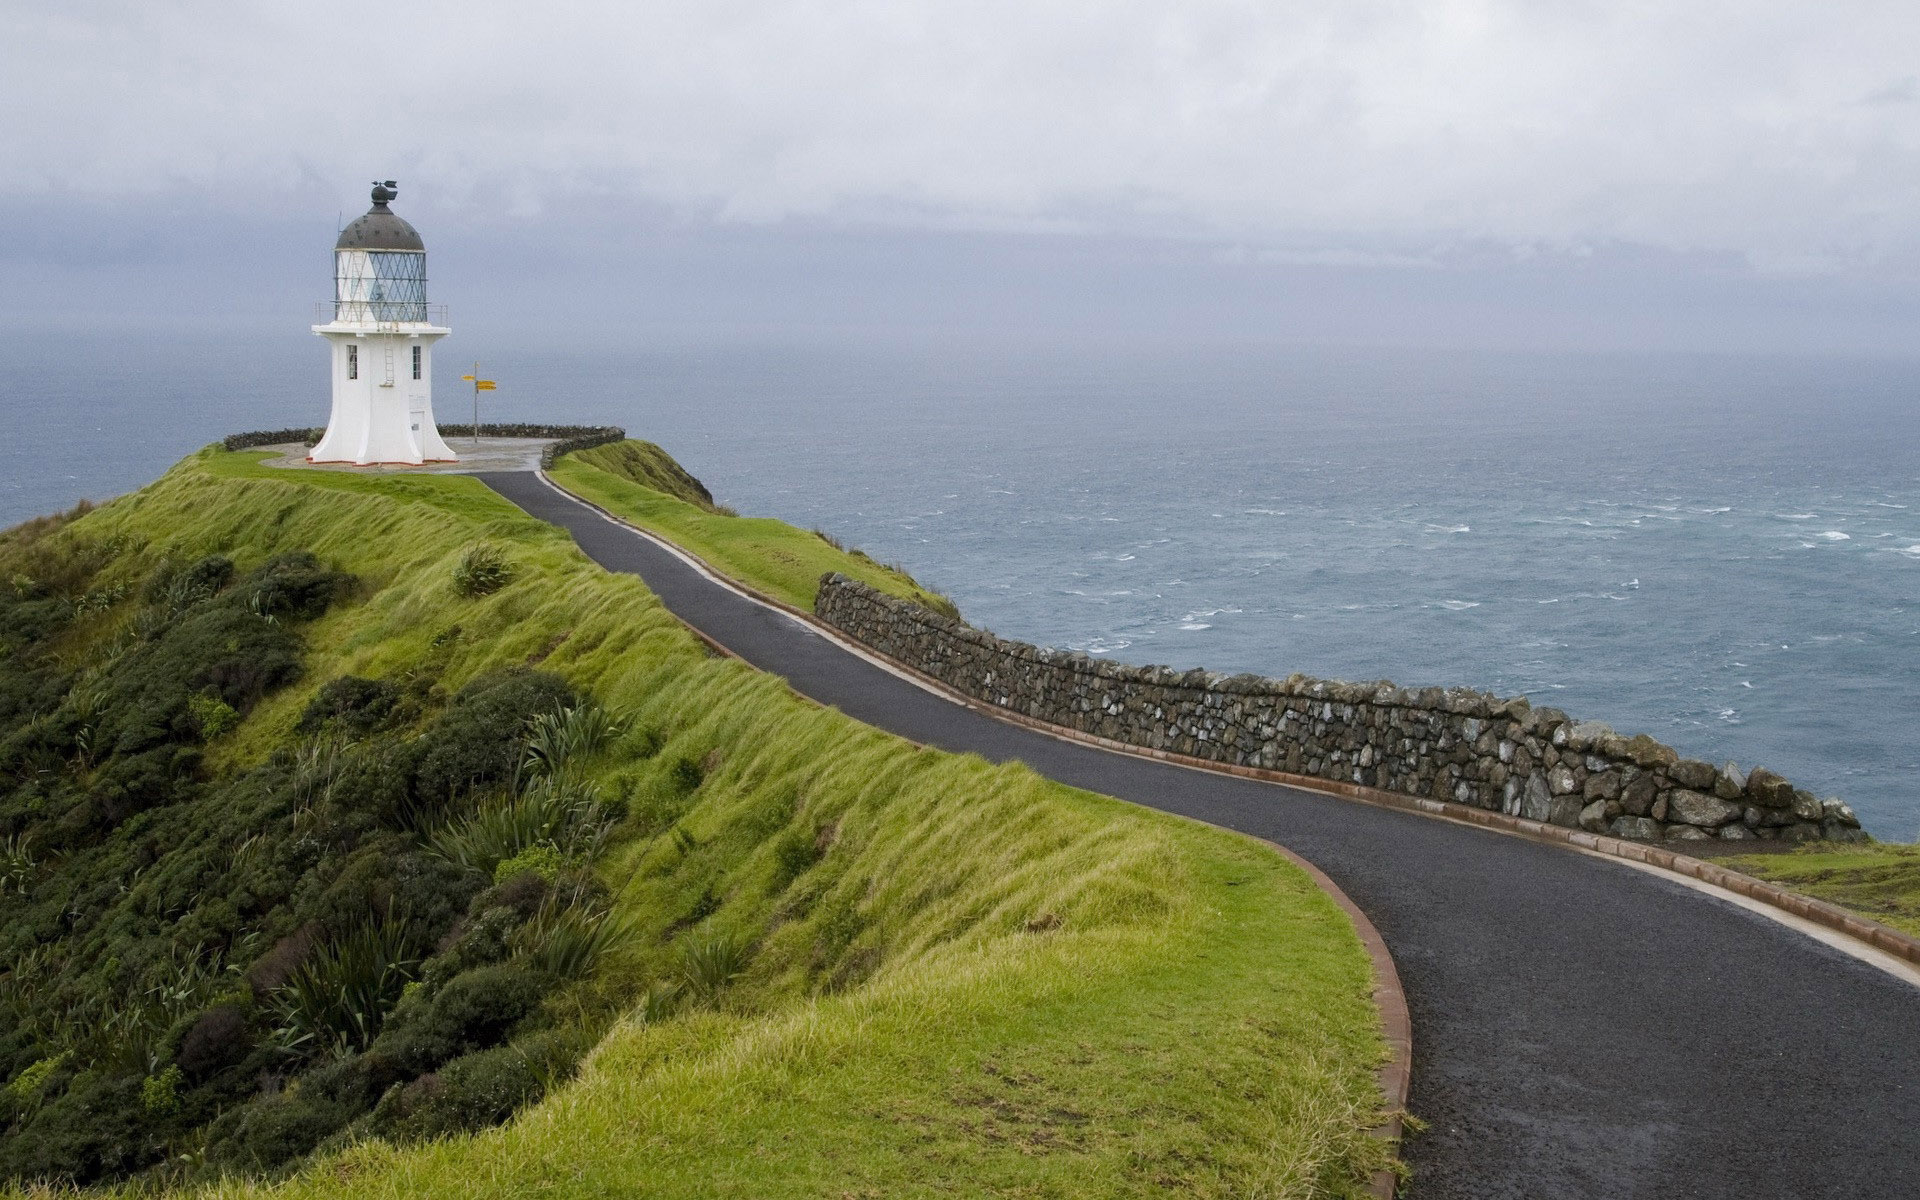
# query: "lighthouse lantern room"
381, 332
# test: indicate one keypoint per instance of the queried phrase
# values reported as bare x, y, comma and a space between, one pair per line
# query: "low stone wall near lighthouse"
1455, 745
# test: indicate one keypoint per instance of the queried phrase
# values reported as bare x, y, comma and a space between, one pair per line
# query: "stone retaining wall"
1456, 745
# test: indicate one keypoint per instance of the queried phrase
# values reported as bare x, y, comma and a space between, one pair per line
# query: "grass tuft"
710, 960
481, 571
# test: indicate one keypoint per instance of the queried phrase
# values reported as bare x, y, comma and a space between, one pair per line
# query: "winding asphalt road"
1581, 1028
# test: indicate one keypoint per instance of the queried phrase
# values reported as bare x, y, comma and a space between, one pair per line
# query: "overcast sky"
1712, 174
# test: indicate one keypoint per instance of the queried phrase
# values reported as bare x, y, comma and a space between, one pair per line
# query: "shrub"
687, 773
217, 651
793, 852
213, 715
476, 741
220, 1037
275, 1130
160, 1094
140, 875
476, 1090
356, 706
541, 859
209, 575
293, 585
30, 1083
92, 1131
472, 1011
481, 941
481, 571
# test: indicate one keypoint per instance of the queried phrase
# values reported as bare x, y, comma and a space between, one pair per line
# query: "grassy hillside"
648, 465
637, 481
1880, 880
844, 965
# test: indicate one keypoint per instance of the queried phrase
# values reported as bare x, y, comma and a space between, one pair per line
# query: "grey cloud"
1307, 133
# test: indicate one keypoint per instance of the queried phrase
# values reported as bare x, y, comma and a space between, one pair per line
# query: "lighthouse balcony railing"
378, 312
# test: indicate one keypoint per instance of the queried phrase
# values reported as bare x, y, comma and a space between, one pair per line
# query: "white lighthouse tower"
381, 333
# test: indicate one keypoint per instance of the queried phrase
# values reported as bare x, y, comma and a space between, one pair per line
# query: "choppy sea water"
1723, 552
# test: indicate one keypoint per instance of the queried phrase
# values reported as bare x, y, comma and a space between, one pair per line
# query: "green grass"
961, 978
772, 556
1880, 880
646, 464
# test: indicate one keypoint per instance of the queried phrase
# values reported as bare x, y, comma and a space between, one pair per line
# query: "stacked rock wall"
1455, 745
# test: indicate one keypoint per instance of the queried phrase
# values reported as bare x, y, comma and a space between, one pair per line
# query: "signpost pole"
479, 385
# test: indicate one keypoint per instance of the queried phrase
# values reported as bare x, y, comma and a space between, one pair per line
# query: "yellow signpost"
479, 385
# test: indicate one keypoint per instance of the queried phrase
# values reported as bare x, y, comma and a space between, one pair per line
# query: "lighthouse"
381, 334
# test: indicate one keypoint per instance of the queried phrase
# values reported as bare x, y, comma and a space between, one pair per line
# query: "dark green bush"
477, 1090
686, 773
209, 575
476, 741
218, 1038
474, 1010
95, 1129
293, 585
272, 1132
358, 707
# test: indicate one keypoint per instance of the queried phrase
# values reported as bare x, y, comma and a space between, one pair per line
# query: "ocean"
1721, 551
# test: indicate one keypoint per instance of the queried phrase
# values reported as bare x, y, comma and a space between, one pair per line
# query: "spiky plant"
17, 864
567, 940
567, 735
337, 1000
557, 812
480, 571
710, 960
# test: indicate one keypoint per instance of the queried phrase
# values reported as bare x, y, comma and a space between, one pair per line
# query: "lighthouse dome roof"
380, 228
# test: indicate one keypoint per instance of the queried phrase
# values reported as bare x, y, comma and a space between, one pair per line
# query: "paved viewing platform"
476, 455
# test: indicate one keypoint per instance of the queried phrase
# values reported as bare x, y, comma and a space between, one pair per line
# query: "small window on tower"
353, 361
416, 362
